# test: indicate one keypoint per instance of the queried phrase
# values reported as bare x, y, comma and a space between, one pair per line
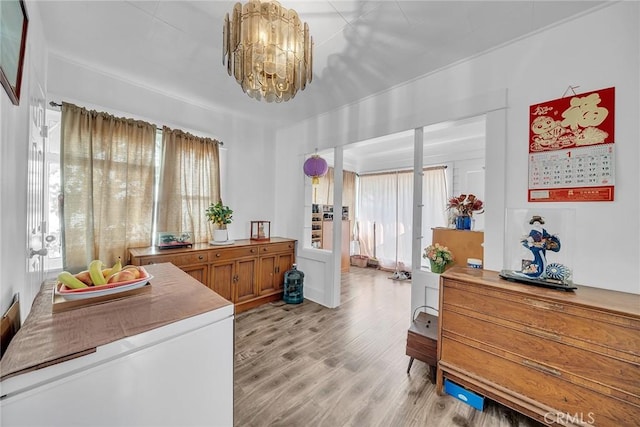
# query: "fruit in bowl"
97, 275
121, 276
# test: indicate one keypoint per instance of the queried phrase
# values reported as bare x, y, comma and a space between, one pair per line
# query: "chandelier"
268, 50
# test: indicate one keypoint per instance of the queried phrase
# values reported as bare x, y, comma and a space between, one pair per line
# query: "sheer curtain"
434, 200
108, 169
385, 213
189, 182
384, 217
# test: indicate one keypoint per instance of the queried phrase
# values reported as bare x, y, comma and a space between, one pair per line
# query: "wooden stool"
422, 342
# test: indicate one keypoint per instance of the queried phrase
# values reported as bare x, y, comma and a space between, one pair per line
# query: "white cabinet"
179, 374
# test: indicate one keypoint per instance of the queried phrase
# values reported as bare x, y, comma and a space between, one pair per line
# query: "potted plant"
439, 257
219, 216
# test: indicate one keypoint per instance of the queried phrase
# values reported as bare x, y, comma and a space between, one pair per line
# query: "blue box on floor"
461, 393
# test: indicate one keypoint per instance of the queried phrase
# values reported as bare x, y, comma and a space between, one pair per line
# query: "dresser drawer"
576, 365
556, 317
178, 260
535, 381
225, 254
277, 247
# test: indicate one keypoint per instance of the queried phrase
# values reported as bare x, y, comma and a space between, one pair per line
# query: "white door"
36, 223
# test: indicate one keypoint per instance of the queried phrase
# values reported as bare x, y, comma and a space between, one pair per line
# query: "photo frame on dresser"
14, 22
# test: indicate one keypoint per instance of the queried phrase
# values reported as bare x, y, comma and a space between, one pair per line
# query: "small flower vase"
463, 222
437, 268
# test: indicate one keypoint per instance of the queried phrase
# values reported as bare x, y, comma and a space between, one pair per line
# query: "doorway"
457, 146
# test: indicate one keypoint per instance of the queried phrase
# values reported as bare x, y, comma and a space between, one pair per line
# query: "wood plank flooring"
307, 365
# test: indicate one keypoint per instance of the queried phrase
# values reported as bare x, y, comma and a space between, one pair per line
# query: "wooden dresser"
559, 357
248, 272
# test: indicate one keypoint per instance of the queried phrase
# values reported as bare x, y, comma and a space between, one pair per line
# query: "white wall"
582, 53
597, 50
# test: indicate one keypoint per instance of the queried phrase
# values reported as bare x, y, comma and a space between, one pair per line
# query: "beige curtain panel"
189, 182
324, 190
108, 171
324, 193
349, 193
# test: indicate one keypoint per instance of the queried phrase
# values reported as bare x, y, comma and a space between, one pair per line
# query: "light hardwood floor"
307, 365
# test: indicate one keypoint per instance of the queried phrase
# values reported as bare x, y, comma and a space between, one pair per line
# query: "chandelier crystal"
268, 50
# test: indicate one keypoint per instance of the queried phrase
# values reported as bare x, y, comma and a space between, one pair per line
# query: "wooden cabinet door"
245, 279
284, 264
266, 275
221, 279
271, 272
198, 272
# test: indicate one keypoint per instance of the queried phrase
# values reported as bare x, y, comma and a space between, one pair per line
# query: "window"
109, 205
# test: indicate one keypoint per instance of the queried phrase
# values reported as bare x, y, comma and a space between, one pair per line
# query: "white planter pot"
220, 235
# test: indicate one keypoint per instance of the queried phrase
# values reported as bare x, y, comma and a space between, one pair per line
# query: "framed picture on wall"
13, 42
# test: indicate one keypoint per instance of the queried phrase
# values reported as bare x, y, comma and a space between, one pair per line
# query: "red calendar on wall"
571, 148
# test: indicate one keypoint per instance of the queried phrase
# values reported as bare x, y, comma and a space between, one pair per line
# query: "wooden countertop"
47, 338
154, 250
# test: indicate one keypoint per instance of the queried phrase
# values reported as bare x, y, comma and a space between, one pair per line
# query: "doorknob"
40, 252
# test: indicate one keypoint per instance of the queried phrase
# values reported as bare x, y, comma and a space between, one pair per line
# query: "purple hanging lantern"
315, 167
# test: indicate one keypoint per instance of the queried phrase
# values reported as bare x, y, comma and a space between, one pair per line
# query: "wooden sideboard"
248, 272
558, 357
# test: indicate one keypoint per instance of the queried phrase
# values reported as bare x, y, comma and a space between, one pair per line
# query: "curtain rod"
55, 104
430, 168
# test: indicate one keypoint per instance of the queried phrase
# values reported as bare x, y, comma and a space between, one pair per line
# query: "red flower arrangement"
466, 205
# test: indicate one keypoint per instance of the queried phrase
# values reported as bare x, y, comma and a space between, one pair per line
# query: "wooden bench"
422, 342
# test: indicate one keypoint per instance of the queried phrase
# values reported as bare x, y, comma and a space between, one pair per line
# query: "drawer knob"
218, 255
253, 251
200, 257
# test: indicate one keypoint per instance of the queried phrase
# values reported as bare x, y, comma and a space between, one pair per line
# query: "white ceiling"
361, 47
